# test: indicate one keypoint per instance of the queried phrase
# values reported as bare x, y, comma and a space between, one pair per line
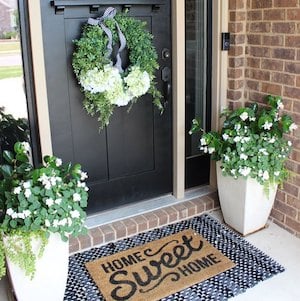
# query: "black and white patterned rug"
252, 265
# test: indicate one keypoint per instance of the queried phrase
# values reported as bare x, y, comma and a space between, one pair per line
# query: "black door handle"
166, 78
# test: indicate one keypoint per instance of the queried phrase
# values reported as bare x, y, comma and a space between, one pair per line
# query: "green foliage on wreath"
91, 52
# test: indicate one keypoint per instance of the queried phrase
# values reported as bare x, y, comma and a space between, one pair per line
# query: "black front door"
130, 160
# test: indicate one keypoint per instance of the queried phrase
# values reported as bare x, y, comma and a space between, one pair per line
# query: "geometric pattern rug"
252, 265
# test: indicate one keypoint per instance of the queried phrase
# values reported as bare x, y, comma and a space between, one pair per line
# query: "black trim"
29, 80
209, 66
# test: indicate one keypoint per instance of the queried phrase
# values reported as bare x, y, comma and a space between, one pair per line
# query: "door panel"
130, 160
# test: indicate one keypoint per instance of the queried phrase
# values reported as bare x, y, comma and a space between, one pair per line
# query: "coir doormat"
252, 265
159, 268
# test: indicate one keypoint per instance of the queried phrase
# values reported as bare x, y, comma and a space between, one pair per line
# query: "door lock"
166, 54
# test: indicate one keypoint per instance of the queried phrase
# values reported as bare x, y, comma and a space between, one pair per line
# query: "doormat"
252, 265
159, 268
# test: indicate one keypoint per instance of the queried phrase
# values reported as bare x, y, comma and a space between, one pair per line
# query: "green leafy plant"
105, 87
36, 202
251, 142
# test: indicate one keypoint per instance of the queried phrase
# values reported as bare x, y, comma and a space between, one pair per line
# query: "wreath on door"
97, 64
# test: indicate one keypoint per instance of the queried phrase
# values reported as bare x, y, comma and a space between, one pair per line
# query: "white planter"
51, 275
244, 204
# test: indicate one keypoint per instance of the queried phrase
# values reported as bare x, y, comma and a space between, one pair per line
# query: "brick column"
236, 55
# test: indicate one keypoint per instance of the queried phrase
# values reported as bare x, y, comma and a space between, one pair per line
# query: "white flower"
17, 190
293, 126
203, 141
26, 184
243, 157
245, 171
245, 139
27, 212
233, 171
86, 188
237, 139
27, 193
225, 136
244, 116
83, 176
226, 158
263, 151
266, 175
58, 162
21, 215
55, 223
252, 118
211, 150
237, 127
280, 105
75, 214
289, 143
26, 146
272, 140
205, 149
14, 215
58, 201
49, 202
9, 211
63, 222
138, 82
47, 223
267, 125
276, 173
69, 222
76, 197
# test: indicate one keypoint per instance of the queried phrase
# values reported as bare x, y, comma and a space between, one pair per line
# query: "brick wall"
265, 59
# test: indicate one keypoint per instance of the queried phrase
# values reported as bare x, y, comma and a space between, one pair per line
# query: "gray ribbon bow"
110, 13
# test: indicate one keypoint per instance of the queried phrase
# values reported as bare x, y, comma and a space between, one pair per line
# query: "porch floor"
275, 242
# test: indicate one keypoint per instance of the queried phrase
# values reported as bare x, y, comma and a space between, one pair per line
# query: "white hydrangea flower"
63, 222
83, 175
289, 143
233, 171
27, 212
138, 82
76, 197
263, 151
272, 140
252, 118
21, 215
58, 201
14, 215
226, 158
211, 150
26, 146
267, 125
280, 105
26, 185
276, 173
203, 141
55, 223
266, 175
47, 223
244, 116
237, 139
237, 127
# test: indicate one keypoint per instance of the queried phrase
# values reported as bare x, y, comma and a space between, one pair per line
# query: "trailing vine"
103, 86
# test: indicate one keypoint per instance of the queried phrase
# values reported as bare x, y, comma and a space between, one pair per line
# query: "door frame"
218, 92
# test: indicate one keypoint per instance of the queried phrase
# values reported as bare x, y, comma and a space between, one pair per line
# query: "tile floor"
277, 243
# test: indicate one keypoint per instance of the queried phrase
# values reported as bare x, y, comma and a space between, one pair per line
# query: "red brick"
235, 62
73, 244
120, 229
182, 211
261, 4
259, 74
141, 222
291, 189
232, 105
131, 226
84, 242
271, 88
237, 16
274, 14
234, 95
277, 215
293, 14
198, 202
298, 81
97, 236
298, 55
191, 208
257, 97
288, 210
162, 217
235, 84
295, 203
254, 15
172, 214
234, 73
152, 220
283, 53
208, 203
236, 27
254, 39
272, 64
291, 92
295, 225
237, 39
253, 62
293, 67
259, 51
285, 3
253, 85
284, 27
280, 196
108, 232
292, 41
236, 4
274, 40
260, 27
283, 78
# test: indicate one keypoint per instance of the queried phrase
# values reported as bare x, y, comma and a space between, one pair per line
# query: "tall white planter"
51, 275
244, 204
